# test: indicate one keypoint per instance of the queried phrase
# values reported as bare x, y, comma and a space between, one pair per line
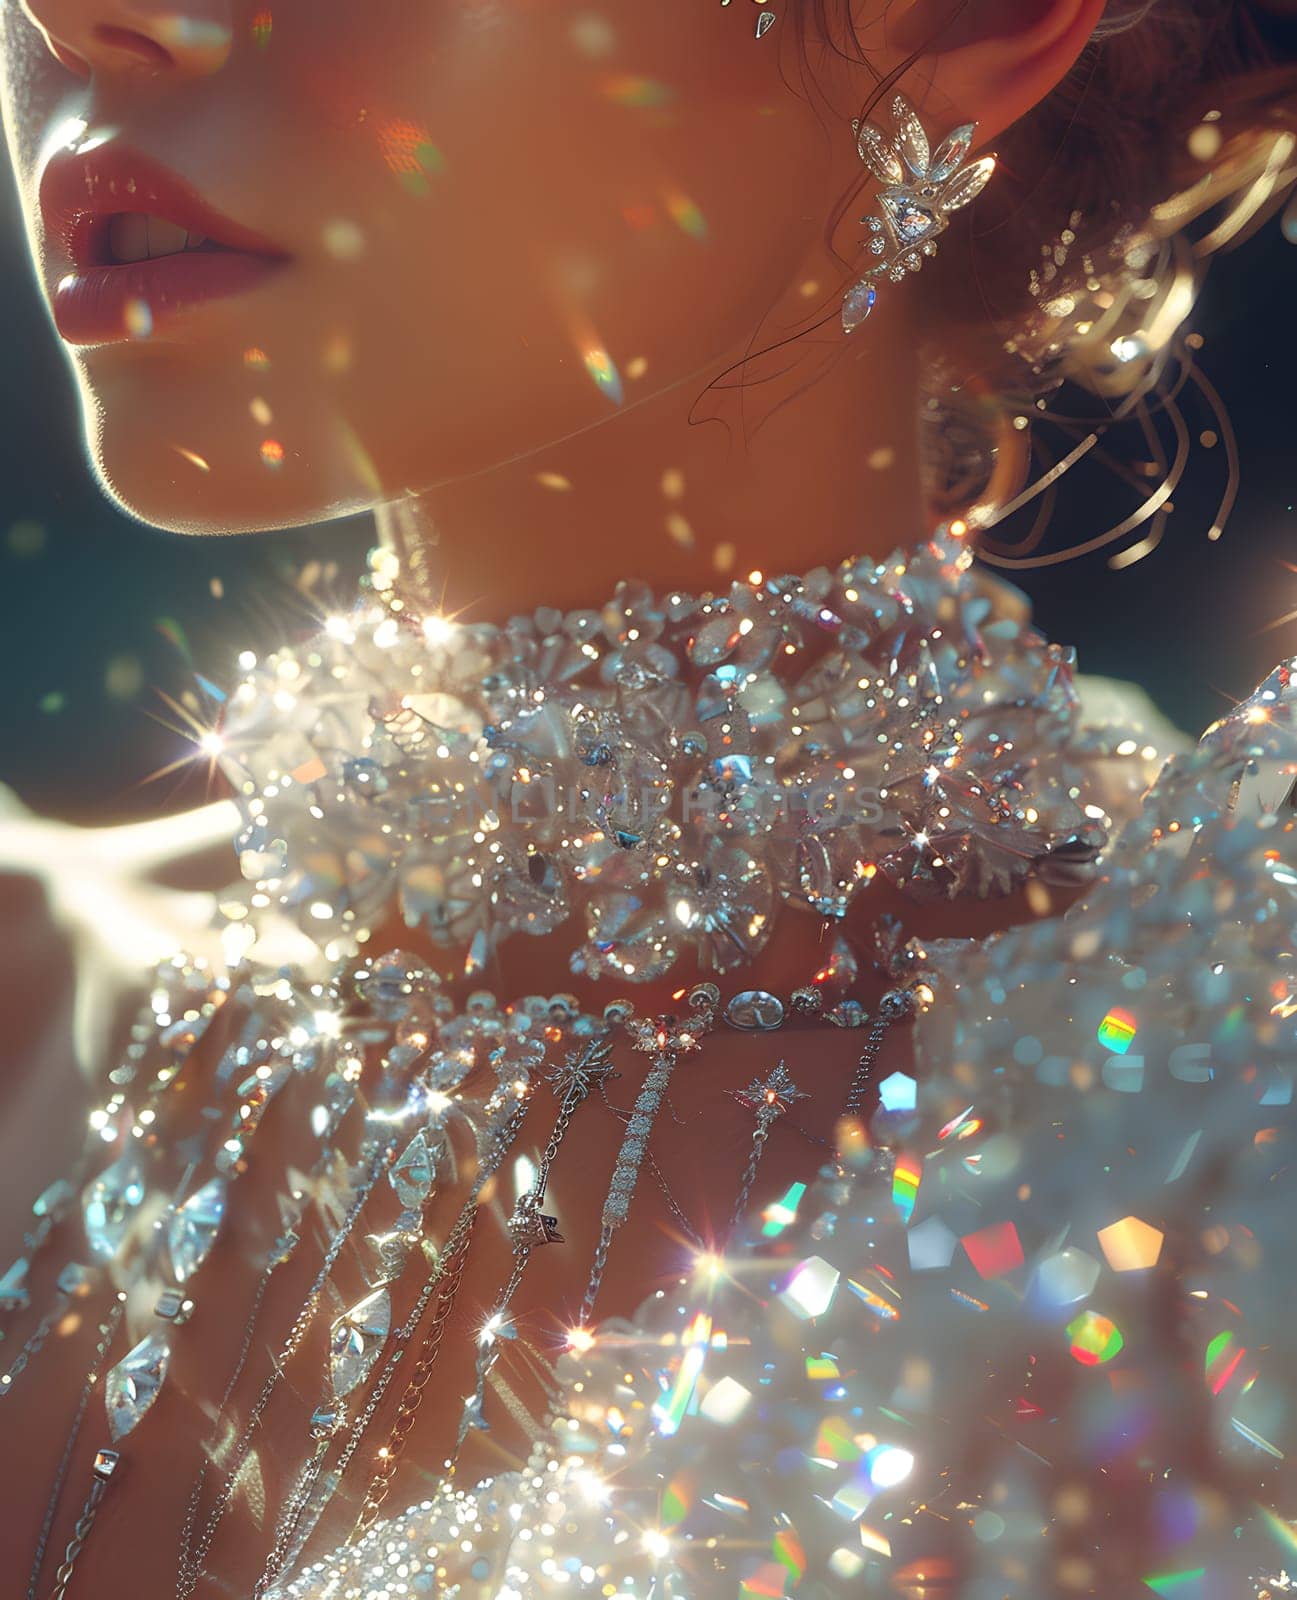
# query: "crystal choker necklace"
662, 775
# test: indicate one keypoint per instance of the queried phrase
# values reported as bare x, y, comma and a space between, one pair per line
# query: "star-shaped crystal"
583, 1069
770, 1096
662, 1034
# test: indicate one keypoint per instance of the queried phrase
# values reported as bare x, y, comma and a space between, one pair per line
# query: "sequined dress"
1023, 1330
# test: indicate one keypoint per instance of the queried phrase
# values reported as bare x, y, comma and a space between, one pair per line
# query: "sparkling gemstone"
910, 217
193, 1228
412, 1174
133, 1384
110, 1204
356, 1339
755, 1009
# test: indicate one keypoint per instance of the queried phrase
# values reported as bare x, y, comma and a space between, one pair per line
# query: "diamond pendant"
356, 1339
193, 1229
110, 1204
133, 1384
412, 1175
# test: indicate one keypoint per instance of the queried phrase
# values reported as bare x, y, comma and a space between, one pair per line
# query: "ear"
988, 61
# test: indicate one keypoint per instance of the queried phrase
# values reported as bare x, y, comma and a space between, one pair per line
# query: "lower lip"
131, 301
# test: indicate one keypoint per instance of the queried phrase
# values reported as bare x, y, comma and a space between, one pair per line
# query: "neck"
801, 458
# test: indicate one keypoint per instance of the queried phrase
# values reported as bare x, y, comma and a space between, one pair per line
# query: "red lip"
99, 301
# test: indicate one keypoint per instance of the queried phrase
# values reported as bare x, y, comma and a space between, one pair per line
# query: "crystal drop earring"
921, 189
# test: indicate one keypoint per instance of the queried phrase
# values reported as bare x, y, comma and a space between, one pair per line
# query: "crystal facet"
411, 1176
133, 1384
193, 1228
110, 1204
910, 217
356, 1339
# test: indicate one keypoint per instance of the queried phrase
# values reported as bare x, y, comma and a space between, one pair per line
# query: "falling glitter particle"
1224, 1354
408, 150
123, 678
192, 457
1117, 1031
603, 369
995, 1250
811, 1288
262, 24
1130, 1245
256, 360
1182, 1585
905, 1184
686, 215
343, 240
671, 1409
782, 1213
137, 318
627, 89
788, 1552
25, 538
272, 453
174, 634
1094, 1339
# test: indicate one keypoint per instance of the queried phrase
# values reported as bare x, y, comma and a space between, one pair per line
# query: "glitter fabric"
661, 775
1037, 1340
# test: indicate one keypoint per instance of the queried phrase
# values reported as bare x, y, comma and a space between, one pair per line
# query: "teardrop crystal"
857, 303
109, 1206
132, 1385
356, 1339
411, 1176
193, 1228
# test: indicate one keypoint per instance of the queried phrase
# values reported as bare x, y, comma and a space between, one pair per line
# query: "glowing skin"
507, 222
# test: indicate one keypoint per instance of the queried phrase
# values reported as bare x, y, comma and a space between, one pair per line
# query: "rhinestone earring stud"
922, 188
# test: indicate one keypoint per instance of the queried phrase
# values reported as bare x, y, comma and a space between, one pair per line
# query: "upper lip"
80, 192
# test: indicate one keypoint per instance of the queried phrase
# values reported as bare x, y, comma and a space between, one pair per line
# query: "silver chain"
107, 1329
191, 1565
894, 1005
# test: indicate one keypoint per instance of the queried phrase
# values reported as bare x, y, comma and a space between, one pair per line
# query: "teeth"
135, 236
165, 238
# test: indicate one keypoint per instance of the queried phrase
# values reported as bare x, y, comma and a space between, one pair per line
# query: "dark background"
99, 616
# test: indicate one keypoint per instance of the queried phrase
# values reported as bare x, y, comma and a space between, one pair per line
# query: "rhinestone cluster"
664, 773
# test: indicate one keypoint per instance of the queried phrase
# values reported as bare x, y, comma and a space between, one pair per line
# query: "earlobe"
992, 60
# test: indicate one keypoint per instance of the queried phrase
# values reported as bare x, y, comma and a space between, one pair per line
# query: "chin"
172, 458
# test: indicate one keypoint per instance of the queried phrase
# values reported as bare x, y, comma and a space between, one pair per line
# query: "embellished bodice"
665, 777
1032, 1338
